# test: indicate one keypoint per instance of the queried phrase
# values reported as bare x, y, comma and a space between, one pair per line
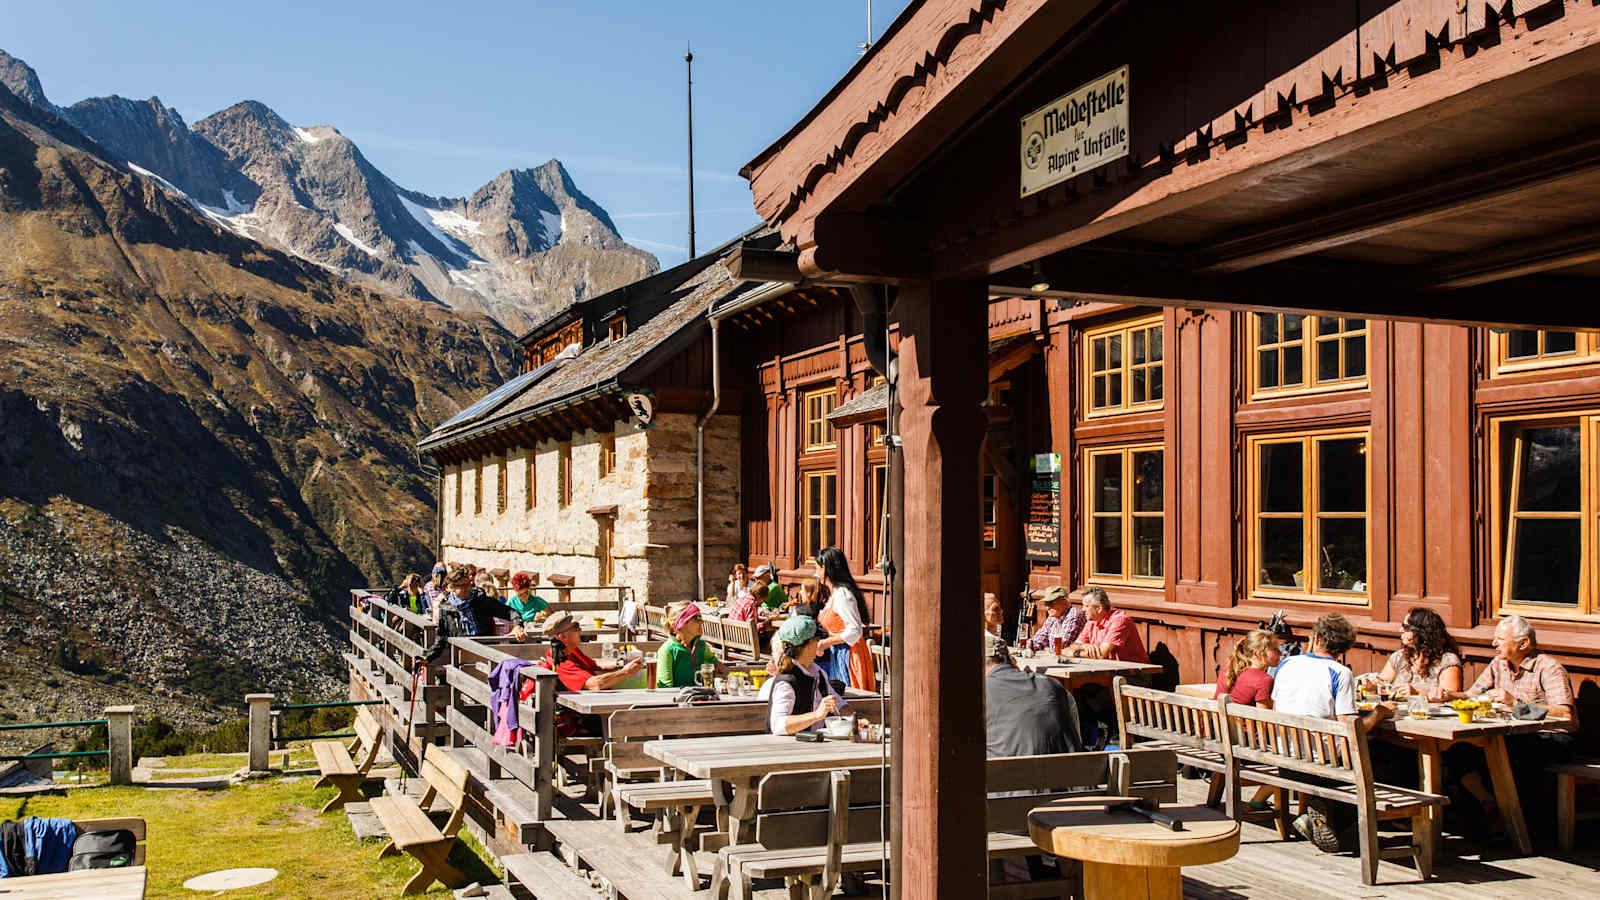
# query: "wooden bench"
1261, 746
338, 765
741, 640
409, 828
546, 877
811, 827
655, 622
1567, 777
675, 805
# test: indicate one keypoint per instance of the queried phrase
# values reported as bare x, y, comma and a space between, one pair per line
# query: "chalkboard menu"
1042, 531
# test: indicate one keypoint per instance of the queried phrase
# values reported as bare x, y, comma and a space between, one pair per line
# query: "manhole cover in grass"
230, 879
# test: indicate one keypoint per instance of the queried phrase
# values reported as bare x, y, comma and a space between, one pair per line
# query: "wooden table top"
104, 884
1451, 728
739, 756
1081, 828
607, 702
1051, 664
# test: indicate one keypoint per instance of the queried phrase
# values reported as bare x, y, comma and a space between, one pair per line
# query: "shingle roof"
602, 366
870, 403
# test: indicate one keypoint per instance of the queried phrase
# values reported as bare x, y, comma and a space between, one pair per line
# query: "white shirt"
1308, 685
735, 588
781, 694
843, 605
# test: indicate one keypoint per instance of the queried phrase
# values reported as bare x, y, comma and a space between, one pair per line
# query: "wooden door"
608, 527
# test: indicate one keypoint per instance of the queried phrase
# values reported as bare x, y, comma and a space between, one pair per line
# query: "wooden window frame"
1308, 341
617, 328
606, 548
530, 481
1586, 352
460, 473
477, 489
807, 421
1125, 330
564, 474
1504, 435
989, 513
1125, 516
1309, 515
876, 501
608, 454
805, 552
503, 486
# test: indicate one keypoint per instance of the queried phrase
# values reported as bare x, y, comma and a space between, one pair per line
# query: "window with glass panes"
1520, 349
530, 481
1125, 537
1124, 367
608, 454
991, 509
1550, 514
815, 429
1309, 497
877, 499
819, 511
1294, 353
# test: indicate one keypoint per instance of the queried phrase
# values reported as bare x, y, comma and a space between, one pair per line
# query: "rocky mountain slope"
203, 441
521, 248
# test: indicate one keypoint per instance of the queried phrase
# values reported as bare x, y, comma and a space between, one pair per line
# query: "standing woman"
844, 616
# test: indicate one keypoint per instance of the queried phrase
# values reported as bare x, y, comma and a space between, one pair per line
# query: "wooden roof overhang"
597, 409
1415, 159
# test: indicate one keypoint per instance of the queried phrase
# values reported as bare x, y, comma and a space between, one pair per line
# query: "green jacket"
776, 596
677, 665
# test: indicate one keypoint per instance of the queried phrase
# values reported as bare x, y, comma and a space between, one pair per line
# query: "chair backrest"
793, 808
134, 825
1166, 716
1324, 747
442, 773
630, 728
711, 630
740, 640
655, 620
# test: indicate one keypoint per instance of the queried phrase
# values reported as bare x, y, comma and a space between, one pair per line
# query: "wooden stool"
1125, 855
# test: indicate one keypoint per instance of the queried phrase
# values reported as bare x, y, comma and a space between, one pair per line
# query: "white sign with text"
1076, 133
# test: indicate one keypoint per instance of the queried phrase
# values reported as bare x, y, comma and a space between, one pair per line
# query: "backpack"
103, 850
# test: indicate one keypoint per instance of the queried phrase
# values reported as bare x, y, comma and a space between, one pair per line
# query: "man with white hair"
1519, 672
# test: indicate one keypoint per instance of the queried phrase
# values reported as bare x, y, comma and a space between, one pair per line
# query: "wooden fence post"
119, 741
544, 738
260, 730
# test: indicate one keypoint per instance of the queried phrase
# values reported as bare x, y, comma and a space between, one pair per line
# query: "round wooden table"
1124, 854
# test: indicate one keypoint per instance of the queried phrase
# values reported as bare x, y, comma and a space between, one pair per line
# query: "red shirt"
1249, 689
574, 672
1119, 631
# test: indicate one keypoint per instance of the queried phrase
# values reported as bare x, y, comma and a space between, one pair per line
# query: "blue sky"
443, 97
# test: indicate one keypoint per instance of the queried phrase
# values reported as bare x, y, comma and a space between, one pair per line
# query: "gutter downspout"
754, 298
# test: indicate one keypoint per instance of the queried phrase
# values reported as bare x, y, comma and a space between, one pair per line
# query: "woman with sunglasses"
1428, 661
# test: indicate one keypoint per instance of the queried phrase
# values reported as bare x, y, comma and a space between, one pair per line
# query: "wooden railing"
387, 648
530, 759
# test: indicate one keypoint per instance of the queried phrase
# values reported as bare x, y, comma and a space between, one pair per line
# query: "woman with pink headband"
680, 659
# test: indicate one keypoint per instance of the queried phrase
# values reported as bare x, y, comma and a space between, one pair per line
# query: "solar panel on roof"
494, 399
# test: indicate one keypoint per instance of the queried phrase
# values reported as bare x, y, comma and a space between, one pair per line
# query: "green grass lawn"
272, 823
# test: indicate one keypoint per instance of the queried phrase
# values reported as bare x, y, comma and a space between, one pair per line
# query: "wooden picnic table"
1075, 672
1124, 854
1430, 737
103, 884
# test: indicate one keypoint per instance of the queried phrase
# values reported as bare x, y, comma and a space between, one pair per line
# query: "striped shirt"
1538, 679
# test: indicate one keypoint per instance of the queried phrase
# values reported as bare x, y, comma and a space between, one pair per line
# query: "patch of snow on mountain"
453, 222
234, 206
159, 180
424, 217
306, 135
347, 234
416, 248
554, 225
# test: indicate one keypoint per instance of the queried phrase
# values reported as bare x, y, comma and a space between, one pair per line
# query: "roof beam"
756, 264
1459, 192
1539, 254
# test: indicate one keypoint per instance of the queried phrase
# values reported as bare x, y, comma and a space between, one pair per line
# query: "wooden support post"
119, 743
544, 737
260, 730
943, 355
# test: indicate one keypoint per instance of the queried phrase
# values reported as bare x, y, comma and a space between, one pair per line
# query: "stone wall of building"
652, 487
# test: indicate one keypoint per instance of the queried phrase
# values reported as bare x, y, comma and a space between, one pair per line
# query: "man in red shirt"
576, 670
1110, 634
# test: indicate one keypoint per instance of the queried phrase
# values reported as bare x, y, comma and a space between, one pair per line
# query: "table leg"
1103, 881
733, 818
1505, 793
1430, 765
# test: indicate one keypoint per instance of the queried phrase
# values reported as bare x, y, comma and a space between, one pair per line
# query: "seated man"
1110, 633
994, 615
577, 671
1519, 673
1027, 714
1065, 621
1316, 683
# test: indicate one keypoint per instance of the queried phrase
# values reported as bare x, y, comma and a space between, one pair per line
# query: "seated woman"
679, 659
1428, 661
409, 595
800, 696
738, 582
521, 598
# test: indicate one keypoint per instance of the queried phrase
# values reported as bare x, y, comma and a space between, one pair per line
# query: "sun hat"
1056, 593
559, 624
796, 630
764, 569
